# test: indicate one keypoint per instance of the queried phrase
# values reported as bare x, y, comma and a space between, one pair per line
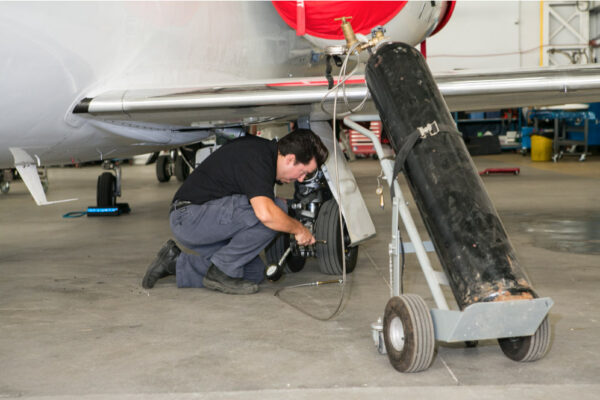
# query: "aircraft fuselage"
55, 54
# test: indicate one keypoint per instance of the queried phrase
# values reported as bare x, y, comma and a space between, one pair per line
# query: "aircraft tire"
182, 170
105, 192
4, 187
408, 333
163, 171
275, 250
327, 227
527, 348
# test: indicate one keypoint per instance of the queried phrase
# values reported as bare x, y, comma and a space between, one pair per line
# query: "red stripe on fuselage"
314, 83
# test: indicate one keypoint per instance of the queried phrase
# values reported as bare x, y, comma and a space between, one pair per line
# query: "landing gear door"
358, 221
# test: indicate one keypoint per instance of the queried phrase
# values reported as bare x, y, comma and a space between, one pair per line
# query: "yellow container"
541, 148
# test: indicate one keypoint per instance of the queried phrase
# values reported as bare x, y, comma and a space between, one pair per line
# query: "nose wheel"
106, 190
109, 186
327, 227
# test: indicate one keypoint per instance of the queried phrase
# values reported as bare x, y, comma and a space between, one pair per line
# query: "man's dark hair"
305, 145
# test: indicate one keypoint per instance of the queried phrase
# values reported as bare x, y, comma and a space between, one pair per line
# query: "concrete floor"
75, 322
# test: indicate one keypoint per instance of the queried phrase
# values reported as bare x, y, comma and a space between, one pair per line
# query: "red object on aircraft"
445, 18
489, 171
317, 82
443, 21
317, 18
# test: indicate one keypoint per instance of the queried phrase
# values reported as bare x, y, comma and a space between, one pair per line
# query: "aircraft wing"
285, 100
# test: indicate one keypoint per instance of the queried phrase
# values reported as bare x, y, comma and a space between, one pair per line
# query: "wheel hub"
396, 334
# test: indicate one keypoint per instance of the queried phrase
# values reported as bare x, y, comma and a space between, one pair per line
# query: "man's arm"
274, 218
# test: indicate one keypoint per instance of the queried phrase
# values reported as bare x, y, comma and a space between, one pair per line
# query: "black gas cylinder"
469, 237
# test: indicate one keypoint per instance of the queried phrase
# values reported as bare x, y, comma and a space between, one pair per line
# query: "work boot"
217, 280
163, 265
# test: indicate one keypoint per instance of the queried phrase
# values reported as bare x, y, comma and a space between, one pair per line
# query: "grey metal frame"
478, 321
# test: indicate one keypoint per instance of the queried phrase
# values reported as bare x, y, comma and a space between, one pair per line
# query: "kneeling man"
226, 212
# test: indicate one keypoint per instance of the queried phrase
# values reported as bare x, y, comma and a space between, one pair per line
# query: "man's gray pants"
224, 232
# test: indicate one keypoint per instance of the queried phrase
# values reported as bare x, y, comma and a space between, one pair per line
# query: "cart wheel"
527, 348
471, 344
327, 227
517, 172
408, 333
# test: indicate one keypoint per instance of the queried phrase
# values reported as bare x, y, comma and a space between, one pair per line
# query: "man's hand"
273, 217
304, 238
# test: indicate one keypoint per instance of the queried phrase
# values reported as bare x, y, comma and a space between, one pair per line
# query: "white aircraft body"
84, 81
56, 54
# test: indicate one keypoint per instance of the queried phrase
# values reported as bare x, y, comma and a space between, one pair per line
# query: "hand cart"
520, 326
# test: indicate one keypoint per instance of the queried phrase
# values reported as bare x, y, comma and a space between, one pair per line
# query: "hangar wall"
497, 34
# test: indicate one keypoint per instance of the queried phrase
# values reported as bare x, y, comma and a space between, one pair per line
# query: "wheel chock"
120, 208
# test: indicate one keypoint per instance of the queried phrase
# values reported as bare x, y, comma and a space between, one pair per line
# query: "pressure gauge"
273, 272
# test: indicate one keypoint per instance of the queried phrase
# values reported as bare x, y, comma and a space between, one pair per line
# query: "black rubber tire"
527, 348
105, 191
408, 333
182, 170
163, 171
275, 250
327, 227
4, 187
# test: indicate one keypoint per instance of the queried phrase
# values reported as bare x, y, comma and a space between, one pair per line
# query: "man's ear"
290, 159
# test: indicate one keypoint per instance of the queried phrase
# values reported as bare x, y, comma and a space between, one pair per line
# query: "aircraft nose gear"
315, 207
107, 191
